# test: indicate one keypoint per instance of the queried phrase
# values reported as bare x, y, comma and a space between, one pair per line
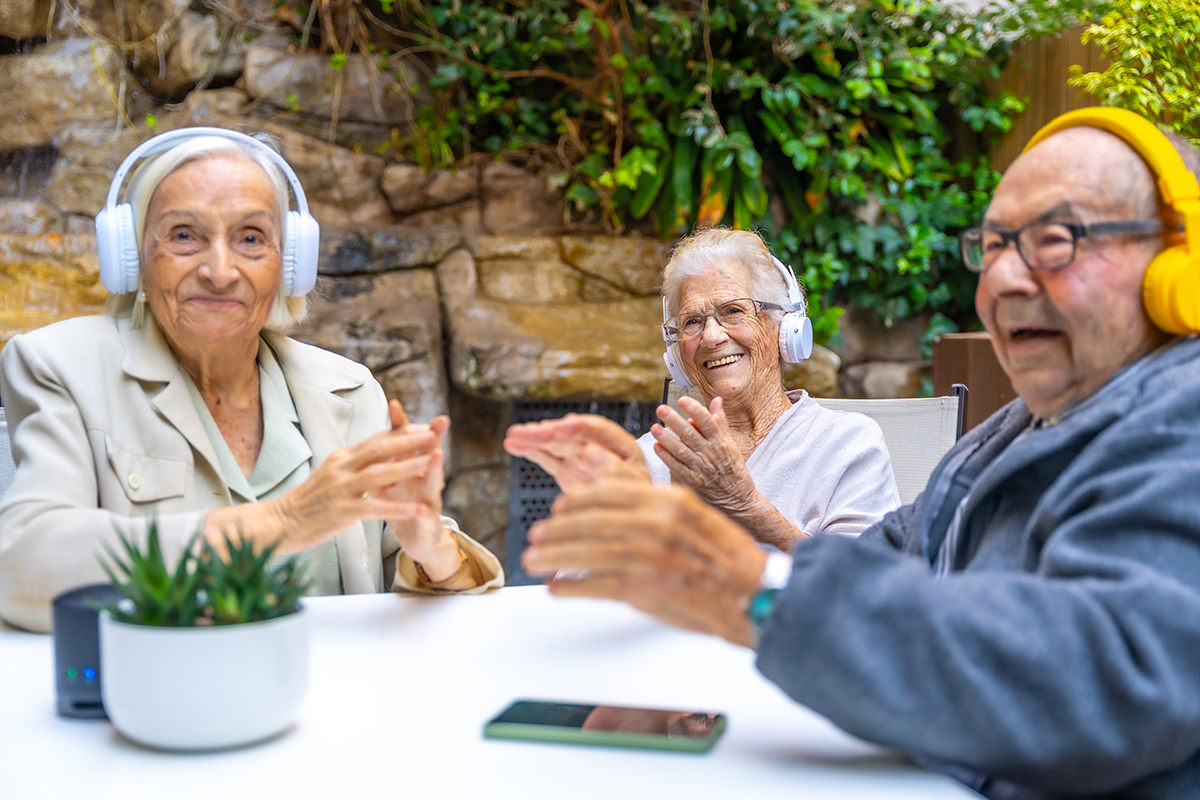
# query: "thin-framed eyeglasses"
730, 314
1044, 245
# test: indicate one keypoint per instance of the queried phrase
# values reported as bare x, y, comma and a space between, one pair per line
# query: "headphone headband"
165, 141
793, 288
1176, 183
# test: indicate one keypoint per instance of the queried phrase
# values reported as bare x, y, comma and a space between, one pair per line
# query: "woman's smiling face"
736, 363
211, 252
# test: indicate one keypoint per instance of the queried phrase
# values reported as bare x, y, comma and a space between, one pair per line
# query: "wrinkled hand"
578, 449
372, 479
418, 528
702, 454
660, 549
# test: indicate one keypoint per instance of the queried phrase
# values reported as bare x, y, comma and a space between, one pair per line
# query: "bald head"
1120, 184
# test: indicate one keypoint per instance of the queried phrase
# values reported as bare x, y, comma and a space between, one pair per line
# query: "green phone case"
534, 732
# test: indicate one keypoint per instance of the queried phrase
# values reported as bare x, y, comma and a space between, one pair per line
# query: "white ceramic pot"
203, 688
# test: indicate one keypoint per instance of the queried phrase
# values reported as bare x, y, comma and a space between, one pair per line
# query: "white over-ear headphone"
795, 331
116, 236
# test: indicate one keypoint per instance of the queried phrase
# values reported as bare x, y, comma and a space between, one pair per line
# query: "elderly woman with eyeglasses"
187, 407
782, 466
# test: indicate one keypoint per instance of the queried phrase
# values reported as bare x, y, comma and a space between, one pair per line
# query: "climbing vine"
1153, 47
853, 133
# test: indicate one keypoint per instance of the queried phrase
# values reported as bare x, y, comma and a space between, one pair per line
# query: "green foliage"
1153, 48
159, 596
851, 132
204, 588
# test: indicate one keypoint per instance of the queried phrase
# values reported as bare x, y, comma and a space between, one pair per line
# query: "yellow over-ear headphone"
1171, 287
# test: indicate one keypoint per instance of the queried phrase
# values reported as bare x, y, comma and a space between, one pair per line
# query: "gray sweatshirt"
1059, 653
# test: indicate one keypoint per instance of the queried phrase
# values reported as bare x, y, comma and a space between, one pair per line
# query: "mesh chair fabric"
917, 431
7, 467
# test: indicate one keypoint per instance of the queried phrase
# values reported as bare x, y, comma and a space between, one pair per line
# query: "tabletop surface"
400, 688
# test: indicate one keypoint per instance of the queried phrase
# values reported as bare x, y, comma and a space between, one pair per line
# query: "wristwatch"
775, 575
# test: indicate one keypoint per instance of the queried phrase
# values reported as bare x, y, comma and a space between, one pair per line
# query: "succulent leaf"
205, 587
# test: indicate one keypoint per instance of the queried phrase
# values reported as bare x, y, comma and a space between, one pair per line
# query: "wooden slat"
1039, 71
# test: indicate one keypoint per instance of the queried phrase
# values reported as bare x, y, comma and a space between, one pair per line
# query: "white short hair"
285, 312
705, 248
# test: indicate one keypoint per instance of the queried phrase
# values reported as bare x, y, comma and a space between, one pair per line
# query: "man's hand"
662, 550
578, 449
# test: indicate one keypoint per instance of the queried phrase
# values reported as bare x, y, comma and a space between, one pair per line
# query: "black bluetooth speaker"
77, 649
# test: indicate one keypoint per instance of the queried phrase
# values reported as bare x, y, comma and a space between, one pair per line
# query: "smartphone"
608, 726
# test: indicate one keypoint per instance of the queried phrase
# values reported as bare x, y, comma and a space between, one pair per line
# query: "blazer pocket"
146, 479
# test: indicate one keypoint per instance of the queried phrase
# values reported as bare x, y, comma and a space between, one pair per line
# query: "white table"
400, 689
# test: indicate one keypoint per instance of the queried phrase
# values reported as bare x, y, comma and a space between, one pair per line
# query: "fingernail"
530, 559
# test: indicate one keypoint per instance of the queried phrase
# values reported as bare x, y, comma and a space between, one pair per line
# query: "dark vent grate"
533, 490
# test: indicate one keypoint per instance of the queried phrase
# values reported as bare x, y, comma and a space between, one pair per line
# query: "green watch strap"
759, 609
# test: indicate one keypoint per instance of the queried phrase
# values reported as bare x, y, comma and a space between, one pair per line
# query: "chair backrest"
7, 468
917, 431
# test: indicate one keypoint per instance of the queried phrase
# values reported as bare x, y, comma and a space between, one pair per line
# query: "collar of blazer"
316, 378
149, 358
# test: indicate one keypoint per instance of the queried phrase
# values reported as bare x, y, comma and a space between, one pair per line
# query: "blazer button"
134, 481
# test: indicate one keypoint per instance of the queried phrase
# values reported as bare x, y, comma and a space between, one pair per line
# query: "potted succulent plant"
212, 653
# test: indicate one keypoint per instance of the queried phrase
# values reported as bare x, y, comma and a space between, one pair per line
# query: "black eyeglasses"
1044, 245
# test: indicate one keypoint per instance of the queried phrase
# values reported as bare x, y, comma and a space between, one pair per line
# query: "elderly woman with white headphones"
186, 405
782, 466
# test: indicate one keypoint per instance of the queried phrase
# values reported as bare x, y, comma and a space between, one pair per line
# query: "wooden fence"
1039, 71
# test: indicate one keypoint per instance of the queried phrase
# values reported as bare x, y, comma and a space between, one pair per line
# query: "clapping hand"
418, 527
701, 453
578, 449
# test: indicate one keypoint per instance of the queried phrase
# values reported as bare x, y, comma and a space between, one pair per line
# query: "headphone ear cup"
671, 359
795, 338
123, 250
291, 238
301, 249
1171, 291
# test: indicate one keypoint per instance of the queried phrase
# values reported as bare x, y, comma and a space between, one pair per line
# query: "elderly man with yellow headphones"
1031, 623
187, 405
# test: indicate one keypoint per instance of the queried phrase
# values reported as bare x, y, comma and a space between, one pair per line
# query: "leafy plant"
204, 587
1153, 47
851, 132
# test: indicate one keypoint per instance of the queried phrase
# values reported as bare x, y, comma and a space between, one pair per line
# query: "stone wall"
878, 361
464, 290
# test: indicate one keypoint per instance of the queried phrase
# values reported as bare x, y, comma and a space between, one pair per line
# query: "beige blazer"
105, 436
